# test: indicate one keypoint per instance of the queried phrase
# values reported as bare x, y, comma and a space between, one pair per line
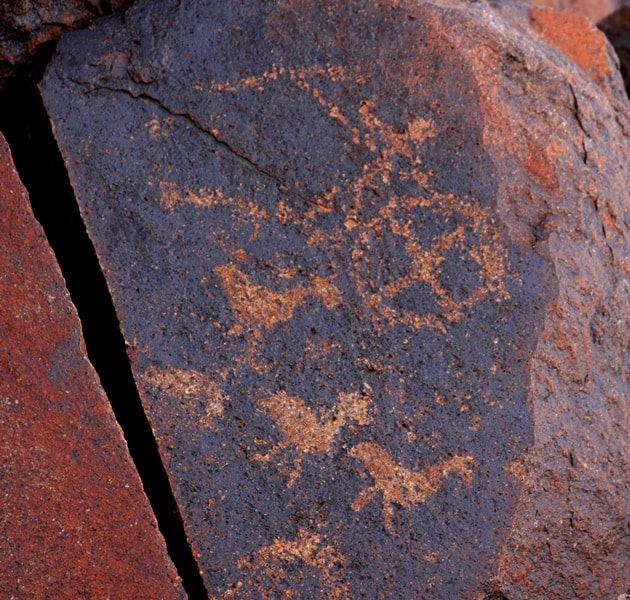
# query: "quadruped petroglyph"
276, 560
307, 432
401, 486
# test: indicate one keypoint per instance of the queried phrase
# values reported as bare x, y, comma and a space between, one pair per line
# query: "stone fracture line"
309, 433
401, 486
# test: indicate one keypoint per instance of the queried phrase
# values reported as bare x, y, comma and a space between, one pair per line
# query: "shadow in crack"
26, 127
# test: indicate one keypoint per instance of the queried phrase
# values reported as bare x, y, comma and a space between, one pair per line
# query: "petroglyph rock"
75, 521
382, 249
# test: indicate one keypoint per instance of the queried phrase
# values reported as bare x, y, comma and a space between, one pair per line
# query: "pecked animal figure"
308, 432
402, 486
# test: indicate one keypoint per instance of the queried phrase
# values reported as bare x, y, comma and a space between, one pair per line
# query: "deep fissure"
25, 125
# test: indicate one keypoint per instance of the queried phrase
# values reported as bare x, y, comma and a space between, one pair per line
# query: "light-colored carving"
401, 486
477, 238
307, 432
191, 386
244, 210
171, 197
257, 306
258, 82
308, 548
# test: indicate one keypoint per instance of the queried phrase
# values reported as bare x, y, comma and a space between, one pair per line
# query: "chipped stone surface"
28, 27
74, 521
359, 285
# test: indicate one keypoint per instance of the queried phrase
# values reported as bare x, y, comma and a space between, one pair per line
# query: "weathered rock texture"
617, 28
372, 266
74, 521
595, 10
29, 27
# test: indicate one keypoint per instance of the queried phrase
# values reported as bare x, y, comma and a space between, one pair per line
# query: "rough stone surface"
595, 10
617, 28
372, 266
29, 27
74, 521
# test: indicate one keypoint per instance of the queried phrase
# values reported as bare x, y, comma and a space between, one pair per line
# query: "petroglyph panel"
325, 314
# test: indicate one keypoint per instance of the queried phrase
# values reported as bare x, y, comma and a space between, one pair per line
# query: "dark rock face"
362, 257
29, 27
617, 28
75, 521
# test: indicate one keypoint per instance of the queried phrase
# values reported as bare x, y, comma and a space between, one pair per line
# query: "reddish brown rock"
372, 266
74, 520
28, 28
577, 38
570, 533
595, 10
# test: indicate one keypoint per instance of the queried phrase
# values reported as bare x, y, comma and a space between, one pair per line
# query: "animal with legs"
308, 432
401, 486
